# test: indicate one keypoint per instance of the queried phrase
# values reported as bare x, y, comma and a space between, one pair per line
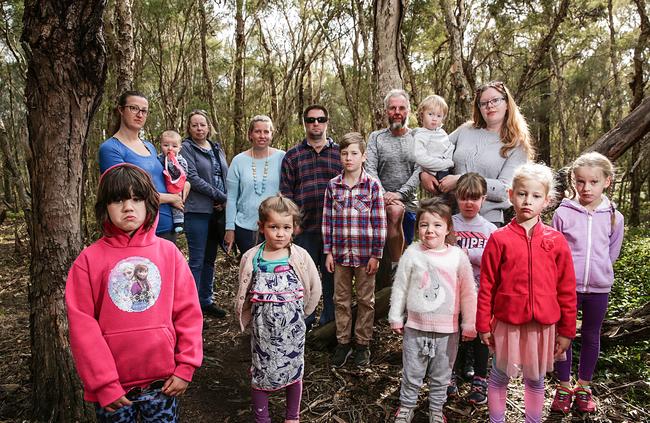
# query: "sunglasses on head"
137, 392
320, 119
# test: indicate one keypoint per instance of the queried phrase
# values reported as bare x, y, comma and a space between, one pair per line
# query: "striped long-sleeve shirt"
305, 174
354, 221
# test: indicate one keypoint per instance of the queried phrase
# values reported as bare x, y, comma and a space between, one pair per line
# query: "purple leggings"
594, 307
261, 403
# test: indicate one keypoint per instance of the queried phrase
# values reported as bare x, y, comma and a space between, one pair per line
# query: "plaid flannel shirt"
354, 221
304, 178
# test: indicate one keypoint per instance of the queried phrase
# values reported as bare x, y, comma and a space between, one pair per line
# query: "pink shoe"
583, 402
562, 401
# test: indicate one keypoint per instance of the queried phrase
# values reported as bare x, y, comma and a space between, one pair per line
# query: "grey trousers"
429, 354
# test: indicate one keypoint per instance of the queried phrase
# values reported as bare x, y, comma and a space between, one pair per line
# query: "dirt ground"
220, 390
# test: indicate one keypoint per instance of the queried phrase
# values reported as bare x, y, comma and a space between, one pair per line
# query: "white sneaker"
404, 415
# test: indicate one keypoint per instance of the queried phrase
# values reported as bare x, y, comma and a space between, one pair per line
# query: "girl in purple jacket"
594, 230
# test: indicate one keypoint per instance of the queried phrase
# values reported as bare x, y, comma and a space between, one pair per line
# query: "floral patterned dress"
278, 326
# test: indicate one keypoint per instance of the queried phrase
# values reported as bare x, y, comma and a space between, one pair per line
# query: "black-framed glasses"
136, 392
492, 102
319, 119
135, 109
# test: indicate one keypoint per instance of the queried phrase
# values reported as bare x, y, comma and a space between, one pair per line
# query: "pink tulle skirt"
524, 349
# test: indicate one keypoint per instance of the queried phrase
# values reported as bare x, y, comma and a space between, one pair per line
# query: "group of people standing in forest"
315, 221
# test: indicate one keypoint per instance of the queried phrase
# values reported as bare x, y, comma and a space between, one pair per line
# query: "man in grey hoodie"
389, 160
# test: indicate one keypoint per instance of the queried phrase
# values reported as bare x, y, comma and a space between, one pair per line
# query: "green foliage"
631, 273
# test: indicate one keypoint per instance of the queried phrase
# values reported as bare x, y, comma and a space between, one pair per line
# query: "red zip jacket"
134, 314
525, 279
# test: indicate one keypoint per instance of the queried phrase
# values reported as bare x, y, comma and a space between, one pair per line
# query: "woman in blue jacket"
205, 215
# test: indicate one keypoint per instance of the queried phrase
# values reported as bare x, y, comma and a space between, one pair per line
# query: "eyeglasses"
135, 109
493, 102
137, 392
319, 119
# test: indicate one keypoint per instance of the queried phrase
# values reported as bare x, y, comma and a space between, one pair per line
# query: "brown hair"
121, 102
442, 209
122, 182
200, 113
352, 138
471, 186
281, 205
514, 129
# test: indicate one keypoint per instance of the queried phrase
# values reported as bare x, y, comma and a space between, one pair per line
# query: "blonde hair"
200, 113
260, 118
432, 102
170, 133
538, 172
442, 209
352, 138
514, 129
597, 160
281, 205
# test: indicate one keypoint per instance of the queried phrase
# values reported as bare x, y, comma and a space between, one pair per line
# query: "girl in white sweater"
434, 282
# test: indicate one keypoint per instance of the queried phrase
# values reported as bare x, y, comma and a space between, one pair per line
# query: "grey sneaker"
437, 418
404, 415
341, 354
361, 356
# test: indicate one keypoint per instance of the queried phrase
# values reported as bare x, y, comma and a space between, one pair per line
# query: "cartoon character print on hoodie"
433, 288
134, 284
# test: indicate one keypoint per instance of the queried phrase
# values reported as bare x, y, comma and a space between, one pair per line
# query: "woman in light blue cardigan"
253, 176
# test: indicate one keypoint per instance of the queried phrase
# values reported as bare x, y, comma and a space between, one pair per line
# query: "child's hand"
174, 386
562, 344
467, 338
373, 266
399, 331
329, 263
117, 404
486, 339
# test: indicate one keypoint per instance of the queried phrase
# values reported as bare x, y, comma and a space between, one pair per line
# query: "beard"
396, 124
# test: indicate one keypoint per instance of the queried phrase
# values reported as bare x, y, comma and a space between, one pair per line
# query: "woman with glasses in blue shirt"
126, 146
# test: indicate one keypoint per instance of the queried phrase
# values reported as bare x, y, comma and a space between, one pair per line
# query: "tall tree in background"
124, 48
386, 48
238, 101
65, 82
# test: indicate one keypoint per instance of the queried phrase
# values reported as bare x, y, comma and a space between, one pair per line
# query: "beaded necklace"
264, 175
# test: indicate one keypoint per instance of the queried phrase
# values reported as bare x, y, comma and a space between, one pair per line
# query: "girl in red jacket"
134, 314
526, 310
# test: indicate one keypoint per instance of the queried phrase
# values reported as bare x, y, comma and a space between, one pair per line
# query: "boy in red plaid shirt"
354, 232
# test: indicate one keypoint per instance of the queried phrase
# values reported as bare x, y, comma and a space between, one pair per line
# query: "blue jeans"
408, 225
246, 239
155, 407
313, 243
204, 233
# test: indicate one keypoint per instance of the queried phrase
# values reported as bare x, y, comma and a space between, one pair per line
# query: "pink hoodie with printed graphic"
121, 339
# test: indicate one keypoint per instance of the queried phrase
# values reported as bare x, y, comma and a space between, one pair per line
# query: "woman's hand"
174, 200
219, 206
117, 404
229, 239
448, 183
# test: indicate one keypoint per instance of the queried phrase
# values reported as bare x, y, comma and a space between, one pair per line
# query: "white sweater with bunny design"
431, 288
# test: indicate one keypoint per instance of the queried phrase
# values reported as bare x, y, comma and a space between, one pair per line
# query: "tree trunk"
238, 101
65, 81
124, 47
388, 16
455, 28
544, 118
208, 89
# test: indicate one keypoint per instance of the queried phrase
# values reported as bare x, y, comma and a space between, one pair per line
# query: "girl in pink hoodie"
594, 229
135, 320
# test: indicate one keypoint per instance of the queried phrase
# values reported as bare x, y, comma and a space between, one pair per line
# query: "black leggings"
479, 352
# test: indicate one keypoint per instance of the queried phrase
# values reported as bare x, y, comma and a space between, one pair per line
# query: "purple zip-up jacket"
594, 243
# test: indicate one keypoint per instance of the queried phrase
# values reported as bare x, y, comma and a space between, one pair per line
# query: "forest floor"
220, 389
